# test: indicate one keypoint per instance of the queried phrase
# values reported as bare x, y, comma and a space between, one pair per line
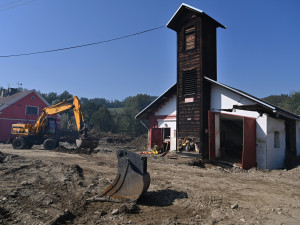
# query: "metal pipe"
144, 125
147, 132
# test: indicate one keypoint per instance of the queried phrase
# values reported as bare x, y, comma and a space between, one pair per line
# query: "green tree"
64, 96
289, 102
50, 97
133, 105
102, 120
89, 108
96, 113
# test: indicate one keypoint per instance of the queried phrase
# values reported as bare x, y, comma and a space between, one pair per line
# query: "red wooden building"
19, 107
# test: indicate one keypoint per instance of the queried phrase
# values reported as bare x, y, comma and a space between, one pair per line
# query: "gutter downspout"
147, 132
144, 125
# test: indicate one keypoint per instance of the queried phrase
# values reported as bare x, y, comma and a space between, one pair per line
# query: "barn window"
189, 82
190, 38
276, 139
32, 110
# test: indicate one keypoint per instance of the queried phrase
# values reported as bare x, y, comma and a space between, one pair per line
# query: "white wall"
261, 142
222, 98
169, 108
267, 156
275, 156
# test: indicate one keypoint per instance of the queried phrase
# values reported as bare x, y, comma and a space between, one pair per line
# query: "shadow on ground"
161, 197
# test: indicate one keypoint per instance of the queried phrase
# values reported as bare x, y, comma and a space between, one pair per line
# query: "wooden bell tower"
196, 59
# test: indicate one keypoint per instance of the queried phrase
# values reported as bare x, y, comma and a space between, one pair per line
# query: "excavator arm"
50, 110
80, 124
60, 108
83, 141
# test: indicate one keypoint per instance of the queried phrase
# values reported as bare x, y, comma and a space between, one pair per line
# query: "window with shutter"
189, 82
190, 38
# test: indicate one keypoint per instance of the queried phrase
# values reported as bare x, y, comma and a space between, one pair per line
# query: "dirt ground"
54, 187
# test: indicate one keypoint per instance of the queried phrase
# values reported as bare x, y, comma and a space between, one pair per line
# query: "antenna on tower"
19, 85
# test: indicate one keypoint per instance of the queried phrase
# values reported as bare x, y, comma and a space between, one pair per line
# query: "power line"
24, 3
10, 3
81, 46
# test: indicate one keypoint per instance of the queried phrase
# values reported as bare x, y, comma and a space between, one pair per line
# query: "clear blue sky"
259, 52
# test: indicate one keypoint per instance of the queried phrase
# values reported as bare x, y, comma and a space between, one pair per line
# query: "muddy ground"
54, 187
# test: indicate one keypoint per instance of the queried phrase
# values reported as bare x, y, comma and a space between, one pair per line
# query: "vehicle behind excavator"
44, 131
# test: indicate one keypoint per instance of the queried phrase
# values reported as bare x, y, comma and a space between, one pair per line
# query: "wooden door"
211, 135
156, 137
249, 143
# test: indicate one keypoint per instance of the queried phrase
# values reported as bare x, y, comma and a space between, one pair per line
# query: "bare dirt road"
50, 187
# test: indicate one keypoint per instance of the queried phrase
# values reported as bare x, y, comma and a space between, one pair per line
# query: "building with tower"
220, 121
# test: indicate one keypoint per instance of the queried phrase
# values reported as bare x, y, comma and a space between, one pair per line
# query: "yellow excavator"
44, 130
132, 179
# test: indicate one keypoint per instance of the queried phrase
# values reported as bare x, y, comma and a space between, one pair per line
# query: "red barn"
19, 107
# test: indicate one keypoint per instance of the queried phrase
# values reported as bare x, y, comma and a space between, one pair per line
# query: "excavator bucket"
87, 143
132, 179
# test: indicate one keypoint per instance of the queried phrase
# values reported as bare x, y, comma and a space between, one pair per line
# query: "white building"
224, 123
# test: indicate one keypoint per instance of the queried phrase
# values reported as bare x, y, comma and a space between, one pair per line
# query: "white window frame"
276, 139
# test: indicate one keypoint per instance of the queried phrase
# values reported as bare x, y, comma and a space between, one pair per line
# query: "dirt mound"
119, 140
74, 150
2, 157
39, 192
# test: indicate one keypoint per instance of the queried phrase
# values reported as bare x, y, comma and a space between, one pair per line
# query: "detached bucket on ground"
87, 143
132, 179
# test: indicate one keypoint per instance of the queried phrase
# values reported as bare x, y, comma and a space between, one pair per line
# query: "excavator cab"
51, 126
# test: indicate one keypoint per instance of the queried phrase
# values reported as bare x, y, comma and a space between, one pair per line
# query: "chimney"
4, 92
8, 92
12, 91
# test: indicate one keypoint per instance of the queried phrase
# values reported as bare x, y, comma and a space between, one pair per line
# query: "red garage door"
249, 143
211, 133
156, 137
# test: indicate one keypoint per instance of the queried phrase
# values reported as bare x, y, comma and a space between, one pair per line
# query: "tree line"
289, 102
105, 115
119, 116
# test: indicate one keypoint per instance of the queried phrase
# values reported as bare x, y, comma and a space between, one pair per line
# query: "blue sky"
259, 52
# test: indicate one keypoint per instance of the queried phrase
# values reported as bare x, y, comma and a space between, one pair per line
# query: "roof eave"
139, 115
274, 109
195, 10
22, 96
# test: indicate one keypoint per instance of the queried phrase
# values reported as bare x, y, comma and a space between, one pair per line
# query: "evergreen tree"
101, 120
